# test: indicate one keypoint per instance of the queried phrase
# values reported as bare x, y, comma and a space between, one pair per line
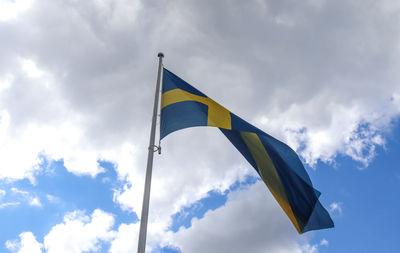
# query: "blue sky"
77, 80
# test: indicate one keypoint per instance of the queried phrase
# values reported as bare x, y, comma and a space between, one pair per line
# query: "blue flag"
278, 165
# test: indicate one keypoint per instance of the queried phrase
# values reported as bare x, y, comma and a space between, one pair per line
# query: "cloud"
336, 207
324, 242
12, 9
19, 192
26, 197
52, 199
80, 233
35, 202
126, 239
77, 233
2, 193
7, 204
30, 68
27, 243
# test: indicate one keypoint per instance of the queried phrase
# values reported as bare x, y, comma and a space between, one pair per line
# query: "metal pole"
146, 195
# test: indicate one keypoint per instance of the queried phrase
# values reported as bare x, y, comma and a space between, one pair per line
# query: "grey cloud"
105, 66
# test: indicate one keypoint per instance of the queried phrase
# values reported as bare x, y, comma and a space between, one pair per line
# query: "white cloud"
309, 248
77, 233
80, 233
35, 201
27, 243
336, 207
7, 204
324, 242
11, 9
26, 196
19, 192
5, 82
30, 68
52, 199
126, 239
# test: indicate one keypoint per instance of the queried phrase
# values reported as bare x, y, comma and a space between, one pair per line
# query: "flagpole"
147, 184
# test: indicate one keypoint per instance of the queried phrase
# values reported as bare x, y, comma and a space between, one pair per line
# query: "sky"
77, 81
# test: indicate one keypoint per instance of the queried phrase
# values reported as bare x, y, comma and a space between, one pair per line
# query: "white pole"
147, 184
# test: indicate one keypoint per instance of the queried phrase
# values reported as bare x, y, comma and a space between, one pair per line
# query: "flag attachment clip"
155, 148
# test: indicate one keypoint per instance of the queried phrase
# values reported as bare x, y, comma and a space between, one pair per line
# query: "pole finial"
160, 55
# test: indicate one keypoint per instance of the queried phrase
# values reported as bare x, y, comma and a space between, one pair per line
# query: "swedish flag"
278, 165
